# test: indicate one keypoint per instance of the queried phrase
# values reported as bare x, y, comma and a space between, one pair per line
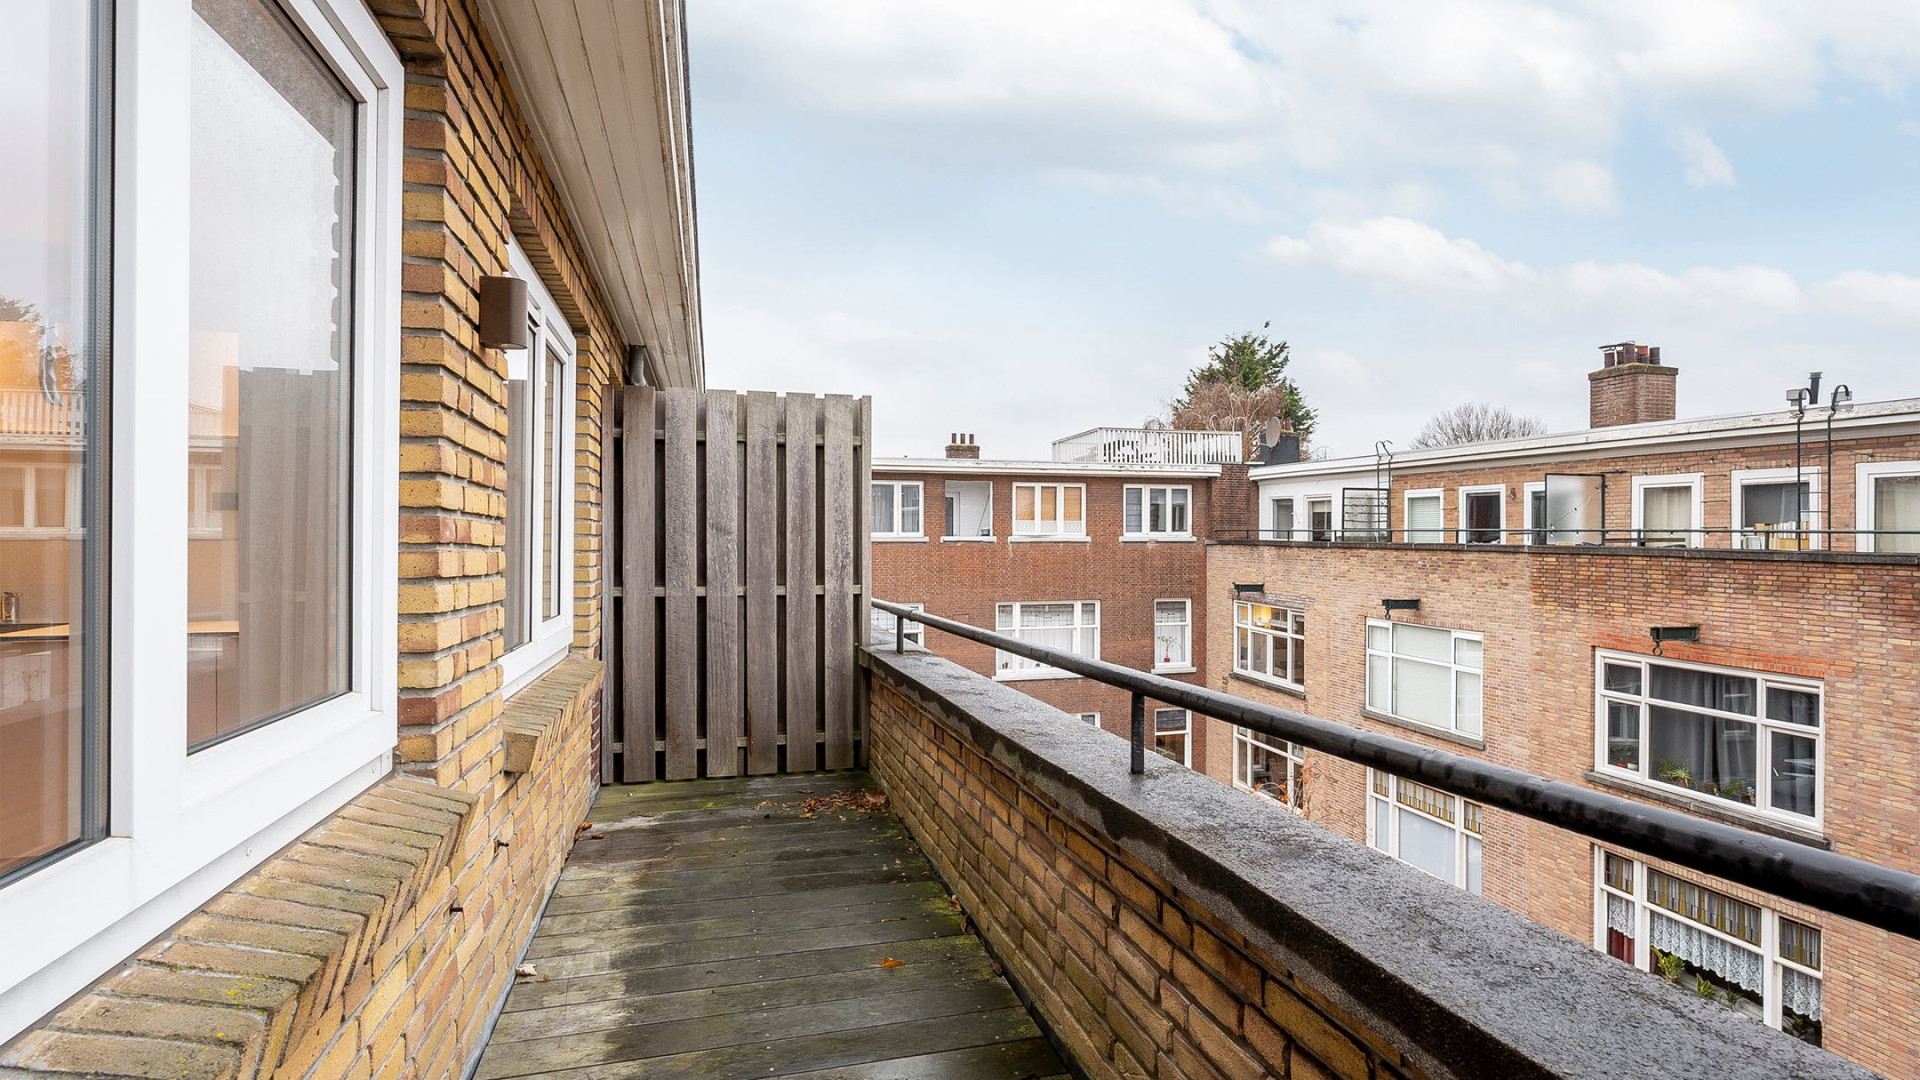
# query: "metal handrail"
1608, 536
1869, 893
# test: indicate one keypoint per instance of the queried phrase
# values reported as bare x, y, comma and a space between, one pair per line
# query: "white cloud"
1908, 127
1198, 199
1581, 187
1401, 251
1884, 298
1707, 165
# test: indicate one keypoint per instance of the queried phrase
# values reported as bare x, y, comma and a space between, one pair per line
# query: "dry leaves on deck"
840, 803
890, 962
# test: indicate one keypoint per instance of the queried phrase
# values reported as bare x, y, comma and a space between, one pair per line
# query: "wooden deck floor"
712, 931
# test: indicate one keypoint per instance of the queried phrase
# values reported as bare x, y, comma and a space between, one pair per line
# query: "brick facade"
965, 579
1633, 393
1850, 620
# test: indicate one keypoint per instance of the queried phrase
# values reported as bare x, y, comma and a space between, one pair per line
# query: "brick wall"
964, 580
1630, 394
1850, 620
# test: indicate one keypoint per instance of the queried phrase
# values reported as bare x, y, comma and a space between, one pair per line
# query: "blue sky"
1027, 219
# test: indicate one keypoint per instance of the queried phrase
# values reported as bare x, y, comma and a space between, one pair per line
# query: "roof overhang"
603, 83
976, 467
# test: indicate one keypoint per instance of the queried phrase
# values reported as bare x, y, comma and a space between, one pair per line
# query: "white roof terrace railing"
28, 415
1151, 446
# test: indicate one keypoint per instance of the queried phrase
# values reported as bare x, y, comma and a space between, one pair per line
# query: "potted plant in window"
1167, 642
1672, 772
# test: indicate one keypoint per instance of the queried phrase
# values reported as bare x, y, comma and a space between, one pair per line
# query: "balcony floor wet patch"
765, 927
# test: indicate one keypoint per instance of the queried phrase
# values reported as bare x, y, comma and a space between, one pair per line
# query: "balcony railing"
1751, 538
1150, 446
28, 414
1876, 895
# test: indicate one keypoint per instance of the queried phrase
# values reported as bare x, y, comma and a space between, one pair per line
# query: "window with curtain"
1280, 526
1751, 740
270, 368
1156, 511
1319, 519
1425, 674
1270, 767
1483, 513
1711, 944
1172, 635
895, 509
1425, 828
1896, 513
1049, 510
1666, 515
1070, 626
1425, 523
1270, 642
969, 505
1173, 735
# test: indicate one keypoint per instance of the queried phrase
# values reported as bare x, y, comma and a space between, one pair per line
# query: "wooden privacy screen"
741, 523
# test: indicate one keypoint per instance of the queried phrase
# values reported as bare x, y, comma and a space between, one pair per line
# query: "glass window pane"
1728, 693
1896, 513
1774, 504
1134, 522
1023, 508
1621, 679
1473, 865
518, 625
1794, 773
1666, 513
1379, 691
53, 181
969, 505
1466, 702
1424, 520
1710, 755
1379, 637
1074, 516
1623, 735
1423, 692
553, 490
270, 365
1425, 642
1296, 659
1283, 518
1793, 706
882, 510
1427, 845
1177, 511
910, 509
1382, 825
1467, 652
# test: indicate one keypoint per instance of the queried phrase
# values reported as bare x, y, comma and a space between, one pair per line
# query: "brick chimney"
1631, 387
961, 445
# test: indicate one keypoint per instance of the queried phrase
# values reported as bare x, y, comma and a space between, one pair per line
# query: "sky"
1023, 220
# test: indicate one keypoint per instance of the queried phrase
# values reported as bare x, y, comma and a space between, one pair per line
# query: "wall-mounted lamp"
1243, 590
1392, 606
1663, 634
503, 313
1842, 397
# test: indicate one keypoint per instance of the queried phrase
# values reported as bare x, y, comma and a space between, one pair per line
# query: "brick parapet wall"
1169, 927
378, 944
1850, 620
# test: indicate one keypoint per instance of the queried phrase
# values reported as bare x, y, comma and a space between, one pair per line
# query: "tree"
1242, 385
1476, 421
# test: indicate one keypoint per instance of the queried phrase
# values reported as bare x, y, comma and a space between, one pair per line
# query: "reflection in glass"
270, 371
53, 187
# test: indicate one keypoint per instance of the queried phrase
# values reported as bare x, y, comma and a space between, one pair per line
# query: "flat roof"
994, 467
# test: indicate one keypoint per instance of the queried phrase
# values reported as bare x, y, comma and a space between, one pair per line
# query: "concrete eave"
982, 469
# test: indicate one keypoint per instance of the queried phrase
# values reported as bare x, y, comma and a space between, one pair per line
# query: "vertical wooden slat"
863, 555
723, 583
838, 530
763, 569
680, 514
611, 503
639, 512
803, 656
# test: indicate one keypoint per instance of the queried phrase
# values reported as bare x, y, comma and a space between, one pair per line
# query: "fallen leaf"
890, 962
597, 836
526, 971
954, 901
584, 826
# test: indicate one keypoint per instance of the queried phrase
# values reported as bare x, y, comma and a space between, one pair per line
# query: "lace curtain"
1800, 993
1620, 914
1740, 966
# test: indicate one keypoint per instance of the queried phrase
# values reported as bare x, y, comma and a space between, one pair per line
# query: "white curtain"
1620, 914
1741, 966
1800, 993
1666, 513
1896, 506
1424, 521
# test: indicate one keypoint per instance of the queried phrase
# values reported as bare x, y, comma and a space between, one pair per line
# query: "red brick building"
1101, 555
1694, 614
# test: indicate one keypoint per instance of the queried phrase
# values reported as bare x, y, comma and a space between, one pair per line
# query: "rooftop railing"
28, 413
1875, 895
1150, 446
1749, 538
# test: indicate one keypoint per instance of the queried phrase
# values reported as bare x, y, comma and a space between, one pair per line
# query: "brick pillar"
1631, 393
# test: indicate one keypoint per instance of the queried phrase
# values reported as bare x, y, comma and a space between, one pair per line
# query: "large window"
1269, 767
1270, 642
1280, 519
1425, 828
1071, 626
539, 527
1483, 515
969, 510
1775, 508
1887, 497
1727, 950
1424, 674
38, 500
1050, 510
1173, 735
1426, 521
1320, 519
1666, 510
896, 510
1173, 635
1157, 512
1749, 740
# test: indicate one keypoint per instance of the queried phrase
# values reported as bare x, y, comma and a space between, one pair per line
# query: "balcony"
1149, 446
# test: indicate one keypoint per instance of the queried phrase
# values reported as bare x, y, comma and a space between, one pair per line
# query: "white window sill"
1156, 538
1424, 728
897, 538
1176, 669
968, 539
1710, 805
1080, 538
1268, 680
1031, 676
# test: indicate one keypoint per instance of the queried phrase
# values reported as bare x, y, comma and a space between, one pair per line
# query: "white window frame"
897, 533
1146, 531
1695, 485
1274, 641
946, 519
1468, 821
1186, 629
1032, 531
1273, 531
551, 635
1865, 476
1813, 515
1500, 533
1244, 742
1527, 491
1185, 733
1436, 536
70, 528
1006, 666
1772, 1003
1091, 719
1456, 669
1763, 730
1333, 515
181, 827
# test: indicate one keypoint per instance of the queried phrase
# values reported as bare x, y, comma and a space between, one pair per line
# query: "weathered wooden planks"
839, 525
725, 649
680, 515
763, 581
714, 970
640, 674
803, 546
